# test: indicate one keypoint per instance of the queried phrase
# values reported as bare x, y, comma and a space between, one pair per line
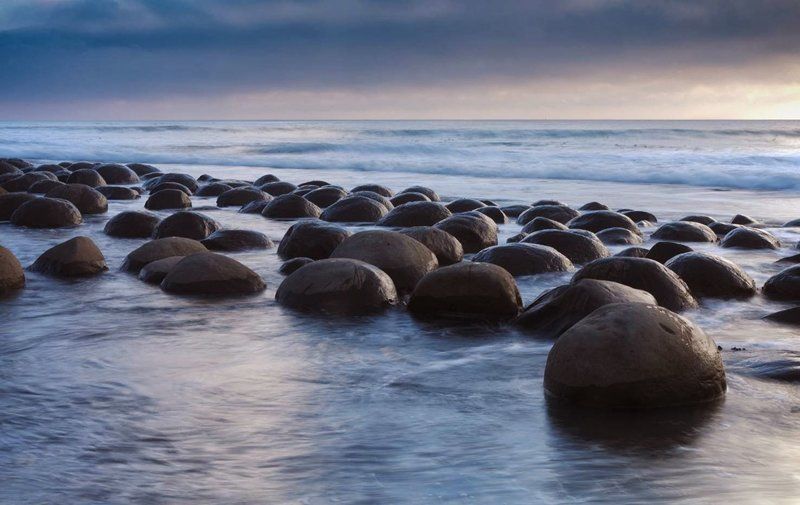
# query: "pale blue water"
114, 392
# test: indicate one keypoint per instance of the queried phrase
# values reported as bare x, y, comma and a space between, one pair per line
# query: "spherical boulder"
237, 197
641, 273
375, 196
663, 251
542, 223
47, 213
160, 249
467, 290
559, 213
750, 238
787, 316
474, 233
290, 206
599, 220
404, 259
559, 309
710, 276
256, 207
577, 247
132, 224
743, 219
540, 203
236, 240
289, 266
633, 252
445, 247
415, 214
208, 273
277, 188
25, 181
785, 285
154, 273
619, 236
524, 259
141, 169
118, 192
374, 188
633, 355
9, 202
514, 210
168, 199
12, 277
685, 231
311, 239
354, 209
431, 194
153, 189
640, 215
464, 205
494, 213
42, 187
265, 179
183, 179
402, 198
86, 199
187, 224
88, 177
114, 173
706, 220
722, 229
7, 168
77, 257
593, 206
325, 196
337, 285
213, 189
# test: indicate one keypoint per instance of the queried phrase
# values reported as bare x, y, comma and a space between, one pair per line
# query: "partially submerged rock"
132, 224
77, 257
750, 238
710, 276
47, 213
577, 247
311, 239
159, 249
290, 206
86, 199
685, 231
784, 285
445, 247
474, 233
154, 273
415, 214
236, 240
524, 259
168, 199
12, 277
188, 224
208, 273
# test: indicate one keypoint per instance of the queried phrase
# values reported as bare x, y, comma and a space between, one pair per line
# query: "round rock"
445, 247
578, 248
599, 220
12, 277
86, 199
311, 239
408, 197
464, 205
237, 197
663, 251
236, 240
278, 188
325, 196
290, 207
416, 214
47, 213
289, 266
473, 232
559, 213
354, 209
118, 192
168, 199
208, 273
685, 231
710, 276
374, 188
77, 257
132, 224
619, 236
213, 189
524, 259
186, 224
160, 249
431, 194
113, 173
750, 238
10, 202
87, 177
784, 285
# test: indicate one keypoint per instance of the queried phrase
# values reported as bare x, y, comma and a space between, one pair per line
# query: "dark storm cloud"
62, 50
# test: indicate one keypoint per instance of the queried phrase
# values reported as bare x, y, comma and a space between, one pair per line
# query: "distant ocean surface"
761, 155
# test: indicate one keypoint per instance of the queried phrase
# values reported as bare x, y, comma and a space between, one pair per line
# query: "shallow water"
112, 391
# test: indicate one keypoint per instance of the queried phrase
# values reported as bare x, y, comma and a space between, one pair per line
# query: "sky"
399, 59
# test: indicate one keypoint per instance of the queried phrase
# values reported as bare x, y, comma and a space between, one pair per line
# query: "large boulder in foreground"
415, 214
444, 246
188, 224
86, 199
132, 224
404, 259
236, 240
474, 233
168, 199
12, 277
750, 238
159, 249
47, 213
354, 209
311, 239
77, 257
524, 259
632, 355
290, 206
471, 291
208, 273
10, 202
559, 309
641, 273
784, 285
577, 247
710, 276
337, 285
685, 231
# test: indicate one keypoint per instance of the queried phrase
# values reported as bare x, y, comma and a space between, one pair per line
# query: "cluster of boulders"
620, 342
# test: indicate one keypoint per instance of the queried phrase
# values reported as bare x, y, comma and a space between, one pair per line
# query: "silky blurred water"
112, 391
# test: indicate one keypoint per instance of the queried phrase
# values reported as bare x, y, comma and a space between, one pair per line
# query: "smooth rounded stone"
706, 220
77, 257
633, 252
539, 203
159, 249
132, 224
785, 285
639, 215
206, 178
290, 266
514, 210
47, 213
431, 194
599, 220
12, 277
722, 229
265, 179
619, 236
49, 167
354, 209
81, 165
141, 169
182, 179
118, 192
559, 309
63, 176
577, 247
278, 188
445, 247
467, 290
633, 355
593, 206
236, 240
663, 251
793, 259
311, 239
154, 273
8, 168
187, 224
25, 181
256, 207
559, 213
513, 239
237, 197
524, 259
375, 196
19, 163
87, 200
117, 174
685, 231
788, 316
489, 203
168, 199
404, 259
464, 205
169, 185
710, 276
302, 191
213, 189
88, 177
494, 213
374, 188
542, 223
337, 285
473, 232
743, 219
290, 206
314, 184
208, 273
416, 214
645, 274
325, 196
792, 224
403, 198
750, 238
42, 187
